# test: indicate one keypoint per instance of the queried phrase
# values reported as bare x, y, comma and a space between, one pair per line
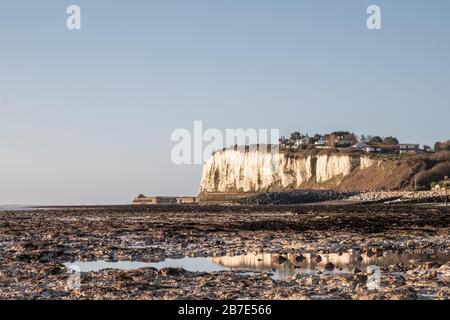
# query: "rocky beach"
226, 252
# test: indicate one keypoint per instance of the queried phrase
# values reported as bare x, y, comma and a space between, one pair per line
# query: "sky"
86, 116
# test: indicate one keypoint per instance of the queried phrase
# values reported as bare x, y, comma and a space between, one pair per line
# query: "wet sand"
256, 252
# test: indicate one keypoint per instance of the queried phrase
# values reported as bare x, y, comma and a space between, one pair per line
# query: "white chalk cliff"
251, 171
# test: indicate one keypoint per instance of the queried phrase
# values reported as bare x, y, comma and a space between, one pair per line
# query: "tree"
375, 140
363, 138
340, 133
437, 146
390, 141
296, 136
317, 137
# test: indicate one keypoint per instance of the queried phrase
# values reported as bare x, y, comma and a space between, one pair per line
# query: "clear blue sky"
86, 116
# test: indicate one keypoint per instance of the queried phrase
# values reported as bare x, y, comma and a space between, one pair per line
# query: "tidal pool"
187, 263
280, 266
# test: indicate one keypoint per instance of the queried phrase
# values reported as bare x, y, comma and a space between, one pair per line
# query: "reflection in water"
308, 263
280, 266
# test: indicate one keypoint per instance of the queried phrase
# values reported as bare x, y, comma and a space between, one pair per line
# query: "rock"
360, 278
280, 259
24, 257
329, 266
311, 281
171, 272
56, 270
318, 258
431, 265
300, 258
400, 280
356, 271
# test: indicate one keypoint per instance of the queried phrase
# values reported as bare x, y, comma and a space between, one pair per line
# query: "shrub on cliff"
436, 173
440, 156
391, 141
375, 140
442, 146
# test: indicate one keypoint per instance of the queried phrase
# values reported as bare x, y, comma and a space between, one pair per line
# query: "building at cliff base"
141, 199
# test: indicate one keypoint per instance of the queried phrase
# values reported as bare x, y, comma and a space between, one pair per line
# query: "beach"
226, 252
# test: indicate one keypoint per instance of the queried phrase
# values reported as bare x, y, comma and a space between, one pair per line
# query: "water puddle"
279, 266
187, 263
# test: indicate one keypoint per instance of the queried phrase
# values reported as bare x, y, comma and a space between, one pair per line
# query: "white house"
360, 146
373, 149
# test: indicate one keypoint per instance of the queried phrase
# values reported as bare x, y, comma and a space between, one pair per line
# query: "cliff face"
252, 171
